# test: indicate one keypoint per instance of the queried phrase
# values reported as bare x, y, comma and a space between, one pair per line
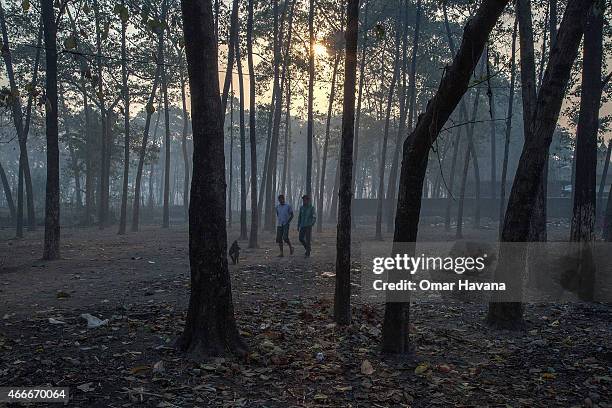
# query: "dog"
234, 252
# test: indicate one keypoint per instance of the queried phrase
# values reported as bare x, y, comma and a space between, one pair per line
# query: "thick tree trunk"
529, 174
342, 297
210, 327
230, 190
52, 205
453, 85
252, 130
528, 89
583, 219
126, 125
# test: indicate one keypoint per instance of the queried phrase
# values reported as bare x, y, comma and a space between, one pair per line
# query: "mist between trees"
441, 110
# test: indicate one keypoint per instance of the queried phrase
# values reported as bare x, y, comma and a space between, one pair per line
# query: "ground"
298, 357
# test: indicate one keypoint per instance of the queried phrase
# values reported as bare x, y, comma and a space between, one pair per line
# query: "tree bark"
21, 128
392, 188
330, 106
7, 192
583, 219
186, 163
529, 174
383, 151
167, 139
52, 205
230, 54
342, 297
416, 151
210, 327
150, 109
252, 129
362, 65
311, 78
126, 125
504, 175
243, 215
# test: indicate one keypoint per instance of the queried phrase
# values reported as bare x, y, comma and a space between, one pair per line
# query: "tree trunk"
243, 215
52, 205
529, 174
470, 151
330, 106
167, 139
504, 175
493, 129
143, 150
7, 193
21, 128
252, 130
186, 163
103, 192
230, 54
416, 151
362, 65
126, 114
383, 151
528, 89
342, 296
583, 219
602, 181
210, 327
230, 216
392, 188
311, 77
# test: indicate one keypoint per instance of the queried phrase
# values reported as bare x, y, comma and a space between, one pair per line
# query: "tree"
583, 219
383, 149
52, 205
210, 327
311, 78
243, 217
167, 140
416, 149
252, 129
342, 298
21, 126
504, 175
529, 174
126, 115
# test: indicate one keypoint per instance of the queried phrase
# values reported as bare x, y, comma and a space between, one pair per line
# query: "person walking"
284, 215
306, 219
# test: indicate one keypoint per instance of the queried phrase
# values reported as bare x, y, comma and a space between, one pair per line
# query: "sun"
320, 49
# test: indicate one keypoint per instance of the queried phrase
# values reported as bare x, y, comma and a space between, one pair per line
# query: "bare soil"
298, 357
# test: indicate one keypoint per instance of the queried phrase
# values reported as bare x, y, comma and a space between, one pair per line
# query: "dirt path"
298, 357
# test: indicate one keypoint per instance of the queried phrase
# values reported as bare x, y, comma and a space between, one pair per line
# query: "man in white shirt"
284, 215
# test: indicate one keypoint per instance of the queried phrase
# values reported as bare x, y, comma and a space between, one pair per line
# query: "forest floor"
298, 357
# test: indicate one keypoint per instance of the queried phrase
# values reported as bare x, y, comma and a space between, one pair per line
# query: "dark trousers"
305, 235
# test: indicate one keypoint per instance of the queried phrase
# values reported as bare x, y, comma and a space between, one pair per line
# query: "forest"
194, 194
